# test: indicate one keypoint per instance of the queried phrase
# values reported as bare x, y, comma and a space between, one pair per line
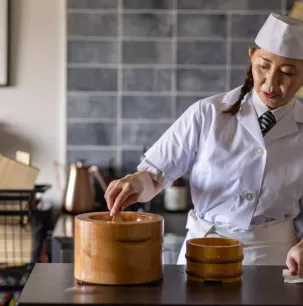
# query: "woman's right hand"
123, 192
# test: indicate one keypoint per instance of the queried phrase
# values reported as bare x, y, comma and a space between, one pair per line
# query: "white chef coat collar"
261, 108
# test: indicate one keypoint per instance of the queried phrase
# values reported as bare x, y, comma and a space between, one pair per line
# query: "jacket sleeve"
298, 221
174, 153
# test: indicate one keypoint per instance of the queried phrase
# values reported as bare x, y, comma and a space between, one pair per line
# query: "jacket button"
249, 196
260, 151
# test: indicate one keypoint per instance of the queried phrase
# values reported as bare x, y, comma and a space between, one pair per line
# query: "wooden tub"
118, 253
214, 259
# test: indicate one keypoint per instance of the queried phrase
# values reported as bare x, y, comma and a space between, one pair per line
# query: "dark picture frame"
4, 42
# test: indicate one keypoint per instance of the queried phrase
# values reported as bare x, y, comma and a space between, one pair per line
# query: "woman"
244, 152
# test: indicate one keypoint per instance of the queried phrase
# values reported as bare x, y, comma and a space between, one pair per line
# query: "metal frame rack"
16, 209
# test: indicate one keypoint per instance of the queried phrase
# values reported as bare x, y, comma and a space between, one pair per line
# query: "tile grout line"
124, 120
140, 93
119, 85
143, 38
153, 66
91, 120
283, 7
168, 11
174, 60
104, 148
156, 39
91, 148
228, 51
66, 92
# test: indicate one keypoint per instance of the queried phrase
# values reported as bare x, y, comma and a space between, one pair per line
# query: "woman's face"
276, 78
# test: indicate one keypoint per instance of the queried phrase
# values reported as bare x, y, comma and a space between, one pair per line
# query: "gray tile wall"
134, 66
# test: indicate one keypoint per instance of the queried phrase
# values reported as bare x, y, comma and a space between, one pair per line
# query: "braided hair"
246, 88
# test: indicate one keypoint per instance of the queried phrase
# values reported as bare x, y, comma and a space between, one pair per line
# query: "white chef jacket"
233, 169
278, 113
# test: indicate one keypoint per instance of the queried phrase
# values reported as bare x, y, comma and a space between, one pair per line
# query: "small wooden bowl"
118, 253
214, 259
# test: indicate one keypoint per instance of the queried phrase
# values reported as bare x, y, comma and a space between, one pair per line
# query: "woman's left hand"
294, 260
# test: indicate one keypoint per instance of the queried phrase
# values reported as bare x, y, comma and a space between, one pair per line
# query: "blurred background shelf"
21, 239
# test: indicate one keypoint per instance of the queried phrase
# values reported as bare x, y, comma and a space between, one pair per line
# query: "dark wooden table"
53, 284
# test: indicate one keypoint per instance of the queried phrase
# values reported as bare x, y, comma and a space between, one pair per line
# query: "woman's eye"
287, 73
262, 67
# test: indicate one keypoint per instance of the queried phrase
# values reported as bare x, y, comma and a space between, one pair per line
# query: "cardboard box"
16, 175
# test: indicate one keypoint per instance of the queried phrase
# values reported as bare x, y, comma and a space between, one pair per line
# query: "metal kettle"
79, 191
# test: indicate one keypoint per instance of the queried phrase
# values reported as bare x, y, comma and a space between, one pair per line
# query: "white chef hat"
282, 35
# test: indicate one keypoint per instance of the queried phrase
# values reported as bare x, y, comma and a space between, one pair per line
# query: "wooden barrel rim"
214, 260
193, 243
214, 276
89, 217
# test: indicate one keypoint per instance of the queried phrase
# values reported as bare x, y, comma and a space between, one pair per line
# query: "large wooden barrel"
118, 253
214, 259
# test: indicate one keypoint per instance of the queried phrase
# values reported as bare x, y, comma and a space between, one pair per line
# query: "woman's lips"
269, 95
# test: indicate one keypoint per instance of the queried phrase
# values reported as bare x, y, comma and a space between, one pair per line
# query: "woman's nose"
272, 81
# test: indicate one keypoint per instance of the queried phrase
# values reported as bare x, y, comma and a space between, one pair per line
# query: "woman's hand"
294, 260
123, 192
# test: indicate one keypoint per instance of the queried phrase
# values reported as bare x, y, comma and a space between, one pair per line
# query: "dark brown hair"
246, 88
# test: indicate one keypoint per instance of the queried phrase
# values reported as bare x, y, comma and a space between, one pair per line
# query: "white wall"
32, 109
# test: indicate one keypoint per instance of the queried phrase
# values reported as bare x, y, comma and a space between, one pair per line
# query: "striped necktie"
267, 121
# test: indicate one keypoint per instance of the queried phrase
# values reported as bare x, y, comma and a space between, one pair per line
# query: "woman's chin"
272, 103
